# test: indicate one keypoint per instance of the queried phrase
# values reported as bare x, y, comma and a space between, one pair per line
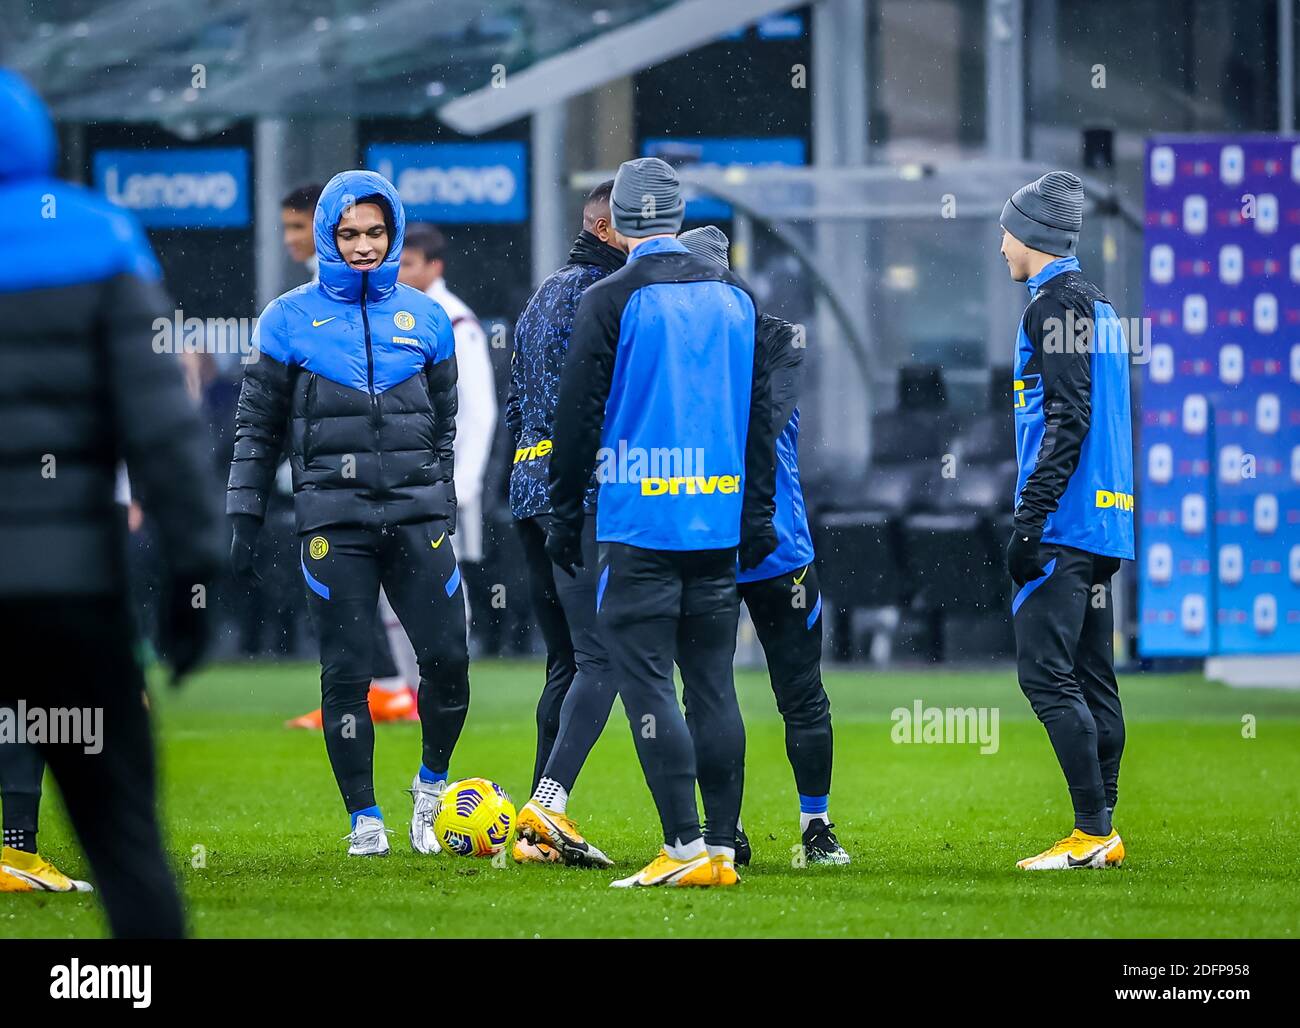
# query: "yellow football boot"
541, 825
526, 852
1078, 849
38, 872
12, 883
724, 871
666, 870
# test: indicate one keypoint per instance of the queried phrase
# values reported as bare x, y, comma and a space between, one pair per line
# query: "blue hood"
336, 278
27, 142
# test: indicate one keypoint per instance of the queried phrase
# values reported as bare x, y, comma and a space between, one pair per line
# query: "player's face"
417, 272
1016, 254
362, 236
298, 238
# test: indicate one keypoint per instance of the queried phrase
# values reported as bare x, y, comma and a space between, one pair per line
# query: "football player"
1074, 509
358, 372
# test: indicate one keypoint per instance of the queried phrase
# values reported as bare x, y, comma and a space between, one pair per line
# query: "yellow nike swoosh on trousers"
439, 542
317, 324
802, 575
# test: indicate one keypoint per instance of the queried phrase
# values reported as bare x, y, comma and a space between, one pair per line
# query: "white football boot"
369, 838
427, 797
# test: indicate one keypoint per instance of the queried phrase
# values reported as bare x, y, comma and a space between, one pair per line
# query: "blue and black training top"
794, 546
661, 387
1074, 430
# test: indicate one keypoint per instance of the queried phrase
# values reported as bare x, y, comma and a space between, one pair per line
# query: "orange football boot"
392, 706
312, 721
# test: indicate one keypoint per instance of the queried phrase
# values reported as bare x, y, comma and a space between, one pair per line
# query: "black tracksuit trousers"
21, 770
88, 661
657, 607
343, 569
579, 691
1066, 662
787, 615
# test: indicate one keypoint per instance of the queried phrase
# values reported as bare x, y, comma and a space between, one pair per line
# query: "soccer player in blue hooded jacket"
1074, 509
358, 373
664, 394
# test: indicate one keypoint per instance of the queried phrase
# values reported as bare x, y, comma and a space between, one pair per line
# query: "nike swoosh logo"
802, 575
439, 542
684, 870
1070, 861
317, 324
30, 879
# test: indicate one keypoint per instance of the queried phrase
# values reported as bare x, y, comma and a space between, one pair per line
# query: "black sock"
1093, 822
21, 839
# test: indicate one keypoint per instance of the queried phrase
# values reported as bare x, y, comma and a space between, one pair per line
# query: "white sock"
806, 819
552, 795
686, 850
395, 684
729, 852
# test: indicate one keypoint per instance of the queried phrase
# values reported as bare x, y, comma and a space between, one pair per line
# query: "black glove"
242, 544
184, 630
564, 547
1024, 560
756, 545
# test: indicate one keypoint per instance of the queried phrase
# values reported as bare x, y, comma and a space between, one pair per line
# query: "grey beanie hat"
647, 198
1047, 214
709, 242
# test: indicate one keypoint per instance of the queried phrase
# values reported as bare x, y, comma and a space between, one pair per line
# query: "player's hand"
185, 630
757, 546
564, 547
1024, 557
242, 544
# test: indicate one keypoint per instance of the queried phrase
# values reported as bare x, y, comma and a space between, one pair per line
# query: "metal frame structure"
614, 54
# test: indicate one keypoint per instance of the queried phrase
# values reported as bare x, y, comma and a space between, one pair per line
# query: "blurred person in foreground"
663, 360
579, 691
1073, 509
83, 389
357, 373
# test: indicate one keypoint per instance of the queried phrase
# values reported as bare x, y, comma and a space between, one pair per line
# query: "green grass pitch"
1210, 820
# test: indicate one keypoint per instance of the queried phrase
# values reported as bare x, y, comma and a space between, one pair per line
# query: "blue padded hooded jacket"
356, 374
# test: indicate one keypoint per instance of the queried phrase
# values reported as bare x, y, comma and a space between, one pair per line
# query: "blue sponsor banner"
774, 26
456, 182
1219, 542
722, 153
201, 188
